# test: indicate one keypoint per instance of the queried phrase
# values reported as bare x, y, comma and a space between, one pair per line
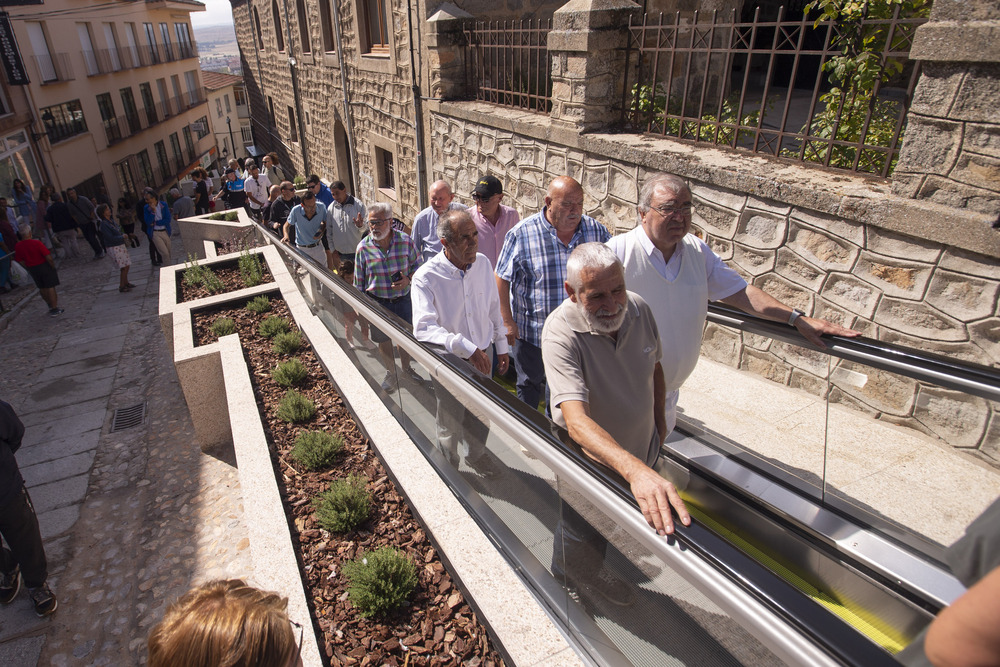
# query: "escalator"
807, 546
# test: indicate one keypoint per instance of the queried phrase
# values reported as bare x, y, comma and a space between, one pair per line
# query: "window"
293, 133
63, 121
376, 31
175, 150
131, 115
256, 25
17, 161
107, 107
300, 10
161, 88
146, 94
124, 173
184, 45
89, 57
229, 108
40, 47
191, 81
132, 57
151, 43
109, 37
277, 25
326, 24
246, 133
145, 167
176, 83
386, 171
218, 107
188, 141
201, 127
161, 159
241, 96
270, 110
165, 35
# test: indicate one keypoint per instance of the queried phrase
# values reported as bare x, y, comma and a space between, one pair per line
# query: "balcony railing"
509, 63
116, 129
51, 68
763, 86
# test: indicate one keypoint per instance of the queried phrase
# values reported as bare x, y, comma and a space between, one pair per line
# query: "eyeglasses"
378, 222
667, 211
482, 197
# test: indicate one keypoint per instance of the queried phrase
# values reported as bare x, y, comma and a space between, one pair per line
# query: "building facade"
115, 91
228, 114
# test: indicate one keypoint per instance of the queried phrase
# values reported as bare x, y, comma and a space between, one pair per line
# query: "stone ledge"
957, 41
842, 194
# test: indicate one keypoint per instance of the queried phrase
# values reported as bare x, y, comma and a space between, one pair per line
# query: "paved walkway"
133, 519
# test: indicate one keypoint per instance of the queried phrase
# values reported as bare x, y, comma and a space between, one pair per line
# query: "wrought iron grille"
764, 86
508, 63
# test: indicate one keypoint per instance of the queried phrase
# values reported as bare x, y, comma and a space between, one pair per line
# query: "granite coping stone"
501, 599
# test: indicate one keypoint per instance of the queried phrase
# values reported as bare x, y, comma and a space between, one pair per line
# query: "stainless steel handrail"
772, 629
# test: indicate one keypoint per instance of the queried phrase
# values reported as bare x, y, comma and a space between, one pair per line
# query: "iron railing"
51, 68
763, 86
508, 63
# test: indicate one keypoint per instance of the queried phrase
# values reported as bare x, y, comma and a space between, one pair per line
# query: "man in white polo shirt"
602, 360
678, 274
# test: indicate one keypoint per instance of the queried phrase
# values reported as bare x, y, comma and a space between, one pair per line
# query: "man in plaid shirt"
385, 262
531, 272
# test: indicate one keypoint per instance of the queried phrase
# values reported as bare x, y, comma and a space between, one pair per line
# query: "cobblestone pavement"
132, 519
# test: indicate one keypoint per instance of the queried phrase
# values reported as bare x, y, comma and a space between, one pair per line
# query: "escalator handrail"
968, 377
786, 621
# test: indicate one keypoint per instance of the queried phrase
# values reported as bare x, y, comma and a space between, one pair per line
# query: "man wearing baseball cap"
493, 219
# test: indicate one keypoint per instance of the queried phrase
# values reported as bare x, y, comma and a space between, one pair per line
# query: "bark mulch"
437, 627
228, 274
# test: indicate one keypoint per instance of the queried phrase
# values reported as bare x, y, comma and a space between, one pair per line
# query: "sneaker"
53, 312
413, 376
44, 600
605, 584
389, 382
10, 585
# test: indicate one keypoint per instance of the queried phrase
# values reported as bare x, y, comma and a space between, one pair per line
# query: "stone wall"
893, 287
381, 100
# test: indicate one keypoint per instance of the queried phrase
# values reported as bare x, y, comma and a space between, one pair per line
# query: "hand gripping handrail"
796, 629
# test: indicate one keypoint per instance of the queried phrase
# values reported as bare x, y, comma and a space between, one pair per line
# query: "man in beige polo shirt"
601, 352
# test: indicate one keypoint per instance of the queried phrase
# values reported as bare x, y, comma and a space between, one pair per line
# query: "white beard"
384, 235
597, 321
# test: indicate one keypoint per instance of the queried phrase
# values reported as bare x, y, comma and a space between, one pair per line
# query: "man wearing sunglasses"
678, 274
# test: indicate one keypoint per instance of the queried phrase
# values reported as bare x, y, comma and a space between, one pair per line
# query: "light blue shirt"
424, 231
306, 229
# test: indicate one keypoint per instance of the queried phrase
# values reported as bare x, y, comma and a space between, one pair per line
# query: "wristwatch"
796, 314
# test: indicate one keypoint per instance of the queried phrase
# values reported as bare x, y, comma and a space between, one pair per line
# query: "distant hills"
216, 41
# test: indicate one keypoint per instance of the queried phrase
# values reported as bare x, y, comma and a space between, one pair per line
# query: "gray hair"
594, 256
675, 184
174, 192
448, 220
381, 209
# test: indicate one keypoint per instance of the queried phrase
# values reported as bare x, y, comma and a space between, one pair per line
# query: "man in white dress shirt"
456, 308
678, 274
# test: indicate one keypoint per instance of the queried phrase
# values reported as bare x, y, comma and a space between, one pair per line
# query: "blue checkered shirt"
373, 268
533, 261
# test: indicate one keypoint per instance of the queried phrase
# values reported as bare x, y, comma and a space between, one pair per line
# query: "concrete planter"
218, 390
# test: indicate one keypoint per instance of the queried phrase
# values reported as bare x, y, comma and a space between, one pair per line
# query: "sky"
217, 12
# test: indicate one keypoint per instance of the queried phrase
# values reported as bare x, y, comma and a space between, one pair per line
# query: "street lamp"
229, 124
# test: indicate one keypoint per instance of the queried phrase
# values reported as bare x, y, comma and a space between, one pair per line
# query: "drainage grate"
128, 417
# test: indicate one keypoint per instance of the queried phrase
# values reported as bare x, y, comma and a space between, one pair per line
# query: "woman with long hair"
114, 241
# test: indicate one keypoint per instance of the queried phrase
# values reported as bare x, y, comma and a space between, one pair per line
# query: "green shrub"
232, 216
290, 373
380, 581
345, 505
193, 272
272, 326
251, 268
294, 407
217, 216
211, 282
299, 182
223, 326
316, 449
287, 343
259, 304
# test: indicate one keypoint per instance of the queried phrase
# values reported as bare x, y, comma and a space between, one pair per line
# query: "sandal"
124, 289
130, 285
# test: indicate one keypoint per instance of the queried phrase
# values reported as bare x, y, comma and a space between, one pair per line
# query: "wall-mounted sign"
10, 54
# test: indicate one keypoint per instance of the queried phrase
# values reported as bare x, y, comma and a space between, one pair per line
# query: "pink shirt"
491, 236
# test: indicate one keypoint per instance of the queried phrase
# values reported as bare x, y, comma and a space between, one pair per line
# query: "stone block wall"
381, 99
893, 287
